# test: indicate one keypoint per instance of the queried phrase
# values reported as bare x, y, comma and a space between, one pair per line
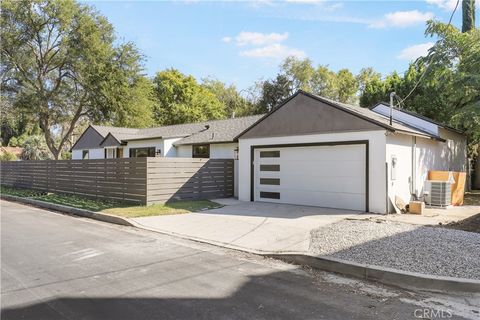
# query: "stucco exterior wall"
169, 149
442, 156
416, 156
377, 152
400, 176
222, 150
157, 143
184, 151
217, 150
92, 154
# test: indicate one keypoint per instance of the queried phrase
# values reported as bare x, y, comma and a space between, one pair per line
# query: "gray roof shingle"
218, 131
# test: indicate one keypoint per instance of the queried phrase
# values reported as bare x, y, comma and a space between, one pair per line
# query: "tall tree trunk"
468, 15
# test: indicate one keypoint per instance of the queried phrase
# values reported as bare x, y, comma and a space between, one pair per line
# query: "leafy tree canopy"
446, 83
180, 99
59, 64
233, 102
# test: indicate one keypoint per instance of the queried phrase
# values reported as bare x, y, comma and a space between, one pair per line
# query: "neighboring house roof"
17, 151
220, 131
363, 113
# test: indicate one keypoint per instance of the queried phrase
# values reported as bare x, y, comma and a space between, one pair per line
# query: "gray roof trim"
142, 138
201, 143
83, 133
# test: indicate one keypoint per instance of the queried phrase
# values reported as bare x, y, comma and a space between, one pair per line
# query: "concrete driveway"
251, 226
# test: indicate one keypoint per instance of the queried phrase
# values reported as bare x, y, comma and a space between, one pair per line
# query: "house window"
201, 151
84, 154
142, 152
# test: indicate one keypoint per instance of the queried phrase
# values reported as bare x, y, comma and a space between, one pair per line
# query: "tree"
323, 82
445, 84
273, 92
299, 72
231, 99
59, 64
180, 99
468, 15
346, 87
34, 148
341, 86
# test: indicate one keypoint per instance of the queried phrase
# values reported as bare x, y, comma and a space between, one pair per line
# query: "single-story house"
309, 150
210, 139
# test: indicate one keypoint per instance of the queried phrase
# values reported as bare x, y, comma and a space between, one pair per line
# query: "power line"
429, 57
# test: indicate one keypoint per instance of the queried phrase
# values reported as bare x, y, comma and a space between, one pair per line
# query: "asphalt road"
56, 266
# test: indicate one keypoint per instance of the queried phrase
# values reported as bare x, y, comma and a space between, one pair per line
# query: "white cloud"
259, 39
448, 5
401, 19
276, 51
415, 51
306, 1
264, 45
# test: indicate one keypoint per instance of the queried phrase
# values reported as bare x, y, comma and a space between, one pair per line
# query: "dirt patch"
472, 198
471, 224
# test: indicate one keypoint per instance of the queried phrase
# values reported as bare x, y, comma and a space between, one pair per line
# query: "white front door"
325, 176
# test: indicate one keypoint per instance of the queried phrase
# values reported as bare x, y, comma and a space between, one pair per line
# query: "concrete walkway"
261, 227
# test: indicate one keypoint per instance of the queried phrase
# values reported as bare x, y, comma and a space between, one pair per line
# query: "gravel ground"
428, 250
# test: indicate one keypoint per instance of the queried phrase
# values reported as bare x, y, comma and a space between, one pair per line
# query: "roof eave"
417, 134
203, 142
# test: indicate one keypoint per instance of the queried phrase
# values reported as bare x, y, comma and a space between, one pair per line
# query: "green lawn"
113, 208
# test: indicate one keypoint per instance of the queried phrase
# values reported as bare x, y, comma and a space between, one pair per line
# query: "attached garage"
317, 152
332, 175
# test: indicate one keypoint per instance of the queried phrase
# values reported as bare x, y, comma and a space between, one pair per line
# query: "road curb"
394, 277
69, 210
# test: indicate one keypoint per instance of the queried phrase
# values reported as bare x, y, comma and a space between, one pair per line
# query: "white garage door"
325, 176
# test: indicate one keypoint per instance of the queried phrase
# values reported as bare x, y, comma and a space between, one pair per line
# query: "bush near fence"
137, 180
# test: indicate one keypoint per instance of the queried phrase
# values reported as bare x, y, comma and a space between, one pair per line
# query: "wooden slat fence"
188, 179
139, 180
114, 179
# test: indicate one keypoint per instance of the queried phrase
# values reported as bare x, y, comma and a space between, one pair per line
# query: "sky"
240, 42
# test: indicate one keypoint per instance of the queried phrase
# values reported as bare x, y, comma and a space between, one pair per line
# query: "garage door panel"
333, 184
326, 176
322, 169
334, 153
